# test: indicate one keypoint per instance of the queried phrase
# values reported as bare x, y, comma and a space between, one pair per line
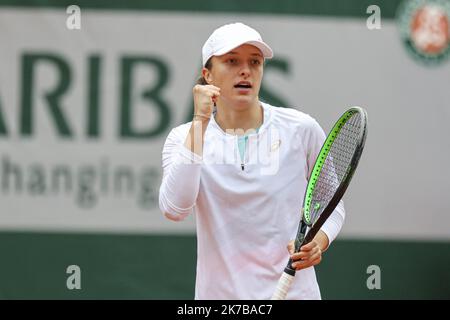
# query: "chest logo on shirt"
275, 146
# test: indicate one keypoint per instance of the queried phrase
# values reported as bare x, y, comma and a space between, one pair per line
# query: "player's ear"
207, 75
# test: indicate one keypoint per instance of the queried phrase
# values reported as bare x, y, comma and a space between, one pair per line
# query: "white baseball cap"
230, 36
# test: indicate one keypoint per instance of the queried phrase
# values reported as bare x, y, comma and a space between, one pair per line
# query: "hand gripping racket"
330, 177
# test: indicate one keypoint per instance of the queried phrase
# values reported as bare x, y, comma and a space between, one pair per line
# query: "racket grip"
283, 286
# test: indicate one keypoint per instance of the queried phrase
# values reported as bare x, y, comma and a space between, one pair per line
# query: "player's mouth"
243, 87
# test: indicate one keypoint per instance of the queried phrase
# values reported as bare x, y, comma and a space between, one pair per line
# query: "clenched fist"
204, 98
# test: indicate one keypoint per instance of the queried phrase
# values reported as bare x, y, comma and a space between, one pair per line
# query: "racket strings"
336, 165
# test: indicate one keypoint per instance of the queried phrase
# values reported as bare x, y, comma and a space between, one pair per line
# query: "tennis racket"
330, 177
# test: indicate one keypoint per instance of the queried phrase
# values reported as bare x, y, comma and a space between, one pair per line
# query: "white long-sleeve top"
246, 217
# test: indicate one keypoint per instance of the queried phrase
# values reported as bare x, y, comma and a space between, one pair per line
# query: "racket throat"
300, 239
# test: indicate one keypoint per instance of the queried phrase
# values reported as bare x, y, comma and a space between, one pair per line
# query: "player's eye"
256, 62
232, 61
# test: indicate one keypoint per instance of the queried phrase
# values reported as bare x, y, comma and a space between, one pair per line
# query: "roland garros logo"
425, 29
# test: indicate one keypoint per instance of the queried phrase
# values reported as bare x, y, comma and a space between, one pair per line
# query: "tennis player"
242, 166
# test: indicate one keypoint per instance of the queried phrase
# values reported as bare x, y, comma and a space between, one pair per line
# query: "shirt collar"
266, 120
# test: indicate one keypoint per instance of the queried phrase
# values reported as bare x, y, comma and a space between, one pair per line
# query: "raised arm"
182, 158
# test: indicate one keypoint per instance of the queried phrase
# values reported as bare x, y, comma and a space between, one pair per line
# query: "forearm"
334, 223
196, 136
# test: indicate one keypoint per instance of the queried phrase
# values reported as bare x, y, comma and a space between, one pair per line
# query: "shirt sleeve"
335, 221
181, 177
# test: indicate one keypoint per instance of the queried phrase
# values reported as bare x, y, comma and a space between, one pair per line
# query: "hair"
201, 80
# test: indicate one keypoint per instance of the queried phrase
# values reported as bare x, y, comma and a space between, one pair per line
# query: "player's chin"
243, 100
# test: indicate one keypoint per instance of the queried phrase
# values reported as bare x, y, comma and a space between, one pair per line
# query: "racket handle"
283, 286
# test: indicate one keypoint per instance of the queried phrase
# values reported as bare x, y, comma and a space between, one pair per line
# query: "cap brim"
265, 49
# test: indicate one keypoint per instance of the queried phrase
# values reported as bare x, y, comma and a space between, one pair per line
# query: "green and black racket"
330, 177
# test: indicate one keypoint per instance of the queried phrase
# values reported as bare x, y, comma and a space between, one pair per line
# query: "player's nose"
245, 70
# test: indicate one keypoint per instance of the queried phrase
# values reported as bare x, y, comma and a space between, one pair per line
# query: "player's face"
238, 74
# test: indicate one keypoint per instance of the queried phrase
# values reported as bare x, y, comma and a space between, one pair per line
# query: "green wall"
34, 266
